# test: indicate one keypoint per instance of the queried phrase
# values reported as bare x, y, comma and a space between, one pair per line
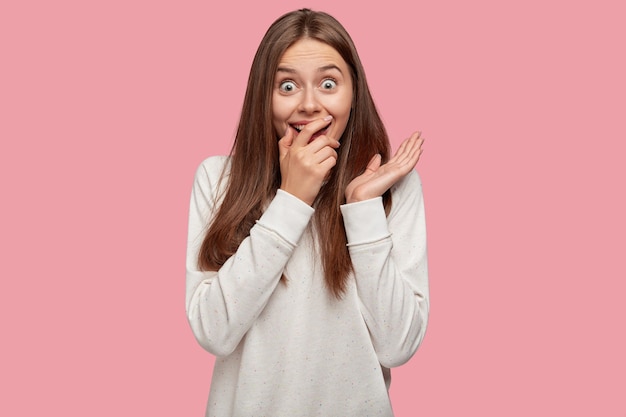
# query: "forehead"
310, 52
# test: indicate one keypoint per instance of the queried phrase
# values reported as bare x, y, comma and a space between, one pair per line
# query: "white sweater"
292, 349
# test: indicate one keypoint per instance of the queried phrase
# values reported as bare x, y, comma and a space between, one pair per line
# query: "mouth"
322, 131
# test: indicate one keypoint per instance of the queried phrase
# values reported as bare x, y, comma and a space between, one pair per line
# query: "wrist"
306, 199
356, 197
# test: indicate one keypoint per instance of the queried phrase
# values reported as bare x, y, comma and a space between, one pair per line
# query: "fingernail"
328, 118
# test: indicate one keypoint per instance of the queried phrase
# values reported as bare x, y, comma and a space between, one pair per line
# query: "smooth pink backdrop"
107, 108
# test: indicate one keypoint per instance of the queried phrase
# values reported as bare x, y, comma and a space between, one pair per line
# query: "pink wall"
108, 107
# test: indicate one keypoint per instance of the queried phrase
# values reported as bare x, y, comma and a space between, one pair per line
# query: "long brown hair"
254, 165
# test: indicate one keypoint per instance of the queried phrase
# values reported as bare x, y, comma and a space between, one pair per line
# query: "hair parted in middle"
254, 173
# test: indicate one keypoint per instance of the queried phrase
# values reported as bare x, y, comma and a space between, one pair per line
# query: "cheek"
346, 107
342, 107
340, 110
281, 109
277, 121
275, 107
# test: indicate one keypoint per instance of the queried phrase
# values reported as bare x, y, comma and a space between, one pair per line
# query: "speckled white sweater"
293, 349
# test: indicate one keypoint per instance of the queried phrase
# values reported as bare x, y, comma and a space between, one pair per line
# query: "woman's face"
312, 82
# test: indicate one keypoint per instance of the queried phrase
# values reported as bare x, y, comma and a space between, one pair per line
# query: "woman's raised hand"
304, 163
379, 178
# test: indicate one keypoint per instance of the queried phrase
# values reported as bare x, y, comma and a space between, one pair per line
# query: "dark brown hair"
255, 171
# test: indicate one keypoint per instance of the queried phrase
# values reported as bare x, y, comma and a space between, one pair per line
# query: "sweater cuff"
365, 221
287, 216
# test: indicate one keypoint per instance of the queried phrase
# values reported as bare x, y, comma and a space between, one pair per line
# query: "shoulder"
214, 165
212, 169
211, 177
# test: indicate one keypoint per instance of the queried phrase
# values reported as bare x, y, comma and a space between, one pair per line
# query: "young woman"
306, 264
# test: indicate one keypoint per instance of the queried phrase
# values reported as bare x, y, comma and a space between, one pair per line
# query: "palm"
379, 178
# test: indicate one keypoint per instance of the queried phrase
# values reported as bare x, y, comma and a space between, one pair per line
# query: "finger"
411, 146
374, 163
417, 145
400, 154
413, 143
405, 147
409, 160
328, 163
414, 155
324, 153
285, 142
419, 140
322, 142
310, 129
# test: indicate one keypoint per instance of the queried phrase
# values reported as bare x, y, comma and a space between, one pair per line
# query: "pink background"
107, 108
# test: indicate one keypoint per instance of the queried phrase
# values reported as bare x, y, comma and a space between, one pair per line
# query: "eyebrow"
329, 67
320, 69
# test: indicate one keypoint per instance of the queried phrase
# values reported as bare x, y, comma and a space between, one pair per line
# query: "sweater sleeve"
222, 305
391, 272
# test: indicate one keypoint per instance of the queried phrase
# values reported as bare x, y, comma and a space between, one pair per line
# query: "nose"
309, 102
